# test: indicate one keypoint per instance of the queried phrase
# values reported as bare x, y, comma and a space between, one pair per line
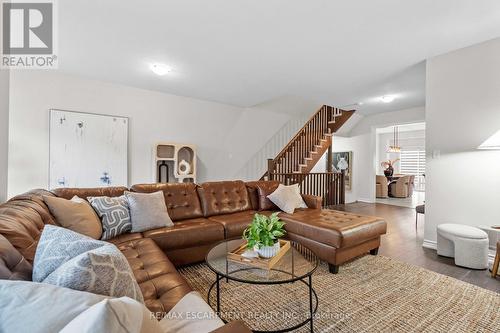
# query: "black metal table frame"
312, 293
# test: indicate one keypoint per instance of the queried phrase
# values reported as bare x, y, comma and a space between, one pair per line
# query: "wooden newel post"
342, 187
270, 168
329, 160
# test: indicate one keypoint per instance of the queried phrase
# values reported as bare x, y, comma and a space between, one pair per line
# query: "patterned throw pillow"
68, 259
103, 271
58, 245
114, 214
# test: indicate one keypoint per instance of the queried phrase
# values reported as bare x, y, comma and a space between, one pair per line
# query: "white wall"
463, 109
257, 165
406, 116
226, 136
4, 132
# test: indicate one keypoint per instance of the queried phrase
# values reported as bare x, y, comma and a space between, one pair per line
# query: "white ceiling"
402, 128
251, 52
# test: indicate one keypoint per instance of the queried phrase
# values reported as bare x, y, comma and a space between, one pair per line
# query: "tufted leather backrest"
267, 187
22, 219
218, 198
68, 193
13, 266
181, 199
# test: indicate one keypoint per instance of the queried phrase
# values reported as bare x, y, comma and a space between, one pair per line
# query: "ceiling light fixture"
160, 69
387, 98
395, 148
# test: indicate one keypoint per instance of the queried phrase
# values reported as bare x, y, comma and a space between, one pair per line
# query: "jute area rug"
370, 294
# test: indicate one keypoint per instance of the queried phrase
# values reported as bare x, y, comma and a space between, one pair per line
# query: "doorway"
400, 156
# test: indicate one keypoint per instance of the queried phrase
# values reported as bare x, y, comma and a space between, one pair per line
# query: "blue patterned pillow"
114, 214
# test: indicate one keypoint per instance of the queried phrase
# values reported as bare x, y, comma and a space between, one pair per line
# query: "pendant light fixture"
395, 148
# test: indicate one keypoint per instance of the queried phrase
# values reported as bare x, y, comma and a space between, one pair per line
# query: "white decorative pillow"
58, 245
191, 315
115, 316
39, 307
287, 198
114, 214
148, 211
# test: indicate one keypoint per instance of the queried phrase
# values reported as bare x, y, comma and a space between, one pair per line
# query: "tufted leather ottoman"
335, 236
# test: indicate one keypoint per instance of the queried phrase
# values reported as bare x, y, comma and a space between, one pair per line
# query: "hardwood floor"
403, 242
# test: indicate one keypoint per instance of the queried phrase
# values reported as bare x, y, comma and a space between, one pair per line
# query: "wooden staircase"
305, 149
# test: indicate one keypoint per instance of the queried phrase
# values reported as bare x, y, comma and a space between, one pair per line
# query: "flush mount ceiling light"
160, 69
387, 98
492, 143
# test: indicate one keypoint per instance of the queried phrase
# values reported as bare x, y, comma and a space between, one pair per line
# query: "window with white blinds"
413, 163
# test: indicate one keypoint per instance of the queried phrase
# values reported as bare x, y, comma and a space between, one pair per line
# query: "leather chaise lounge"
203, 215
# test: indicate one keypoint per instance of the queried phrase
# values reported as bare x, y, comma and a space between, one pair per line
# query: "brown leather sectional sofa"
203, 215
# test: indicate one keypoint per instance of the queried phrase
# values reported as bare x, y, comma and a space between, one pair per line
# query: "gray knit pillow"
103, 271
114, 214
68, 259
58, 245
148, 211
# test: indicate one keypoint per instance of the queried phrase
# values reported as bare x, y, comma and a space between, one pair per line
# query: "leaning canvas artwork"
343, 161
87, 150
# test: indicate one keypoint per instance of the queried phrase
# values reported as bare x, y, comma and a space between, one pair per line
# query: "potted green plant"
263, 234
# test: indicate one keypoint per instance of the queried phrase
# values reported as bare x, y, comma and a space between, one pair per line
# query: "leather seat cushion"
227, 197
181, 199
234, 224
68, 193
125, 238
161, 285
334, 228
186, 233
13, 266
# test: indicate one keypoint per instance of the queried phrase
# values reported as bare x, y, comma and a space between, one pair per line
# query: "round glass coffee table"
297, 265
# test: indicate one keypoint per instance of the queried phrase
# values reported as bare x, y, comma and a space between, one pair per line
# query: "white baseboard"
366, 200
428, 244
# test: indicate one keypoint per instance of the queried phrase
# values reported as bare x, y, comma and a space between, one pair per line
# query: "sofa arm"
312, 201
233, 327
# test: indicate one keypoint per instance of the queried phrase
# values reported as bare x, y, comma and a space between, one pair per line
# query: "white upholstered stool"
468, 245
